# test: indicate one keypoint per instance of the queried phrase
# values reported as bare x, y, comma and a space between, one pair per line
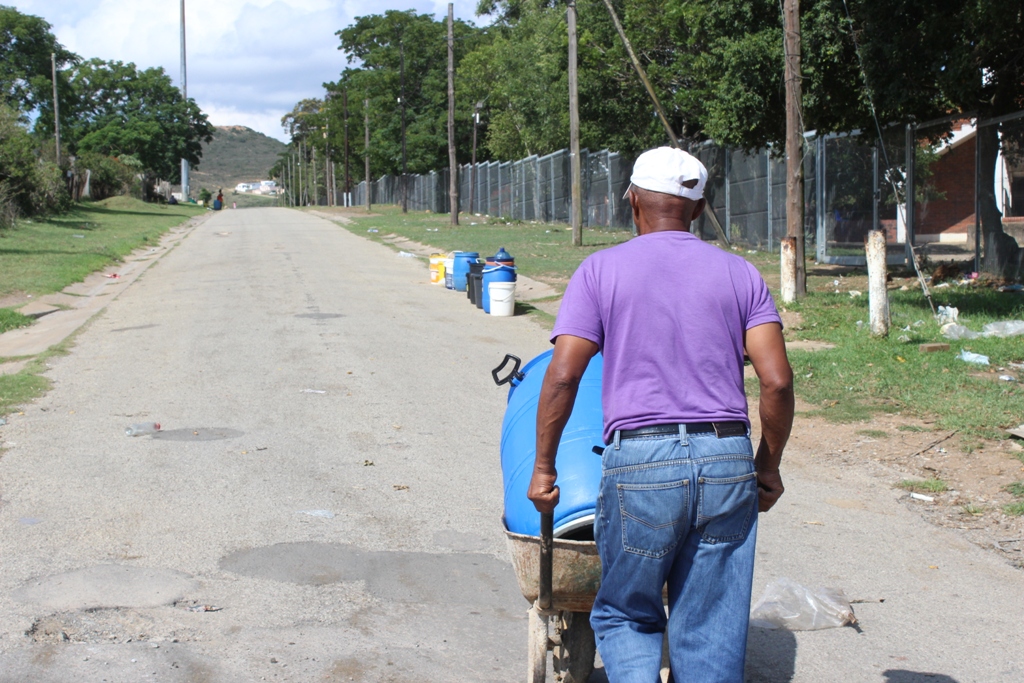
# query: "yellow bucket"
437, 269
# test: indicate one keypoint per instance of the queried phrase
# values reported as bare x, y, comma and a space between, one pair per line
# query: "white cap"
665, 169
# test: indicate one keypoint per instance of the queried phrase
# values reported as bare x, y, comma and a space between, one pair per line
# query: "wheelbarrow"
560, 578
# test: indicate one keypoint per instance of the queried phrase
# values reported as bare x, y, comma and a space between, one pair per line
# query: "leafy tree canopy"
121, 110
26, 43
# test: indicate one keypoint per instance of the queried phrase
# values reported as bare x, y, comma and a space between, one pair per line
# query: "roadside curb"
81, 301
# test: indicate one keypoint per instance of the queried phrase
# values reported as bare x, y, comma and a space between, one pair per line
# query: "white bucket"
503, 300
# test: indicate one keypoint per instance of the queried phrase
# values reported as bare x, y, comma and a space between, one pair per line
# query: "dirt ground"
976, 480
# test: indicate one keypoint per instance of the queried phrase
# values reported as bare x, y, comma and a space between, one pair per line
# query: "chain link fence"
853, 183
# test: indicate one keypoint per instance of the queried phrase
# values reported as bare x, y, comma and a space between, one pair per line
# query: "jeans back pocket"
725, 507
654, 516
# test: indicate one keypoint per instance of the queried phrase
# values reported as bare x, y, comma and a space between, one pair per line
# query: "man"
681, 486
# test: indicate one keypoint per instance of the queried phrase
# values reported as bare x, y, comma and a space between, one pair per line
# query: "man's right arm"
767, 351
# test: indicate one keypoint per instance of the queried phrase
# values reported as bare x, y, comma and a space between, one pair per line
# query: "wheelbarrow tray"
575, 574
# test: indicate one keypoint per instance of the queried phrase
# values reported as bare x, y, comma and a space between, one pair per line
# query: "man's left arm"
557, 397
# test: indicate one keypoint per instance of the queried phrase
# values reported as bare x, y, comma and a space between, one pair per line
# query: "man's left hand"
543, 491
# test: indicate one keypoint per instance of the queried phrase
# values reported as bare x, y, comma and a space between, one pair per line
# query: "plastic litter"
1008, 378
142, 428
373, 230
970, 357
921, 496
786, 604
405, 254
947, 314
325, 514
1001, 328
1011, 288
854, 293
312, 391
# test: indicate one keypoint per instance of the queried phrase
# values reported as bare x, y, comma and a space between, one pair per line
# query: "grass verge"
12, 320
923, 485
45, 256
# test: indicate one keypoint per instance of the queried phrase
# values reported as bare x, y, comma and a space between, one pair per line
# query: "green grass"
12, 320
972, 509
20, 388
41, 257
911, 428
542, 251
1015, 509
864, 375
873, 433
924, 485
1016, 489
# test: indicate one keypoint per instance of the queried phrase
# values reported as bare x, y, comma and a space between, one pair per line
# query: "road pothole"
99, 626
198, 434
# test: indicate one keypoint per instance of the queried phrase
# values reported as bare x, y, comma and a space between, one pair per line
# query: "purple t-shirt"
669, 313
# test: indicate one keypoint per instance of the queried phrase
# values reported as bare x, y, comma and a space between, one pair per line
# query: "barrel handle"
514, 375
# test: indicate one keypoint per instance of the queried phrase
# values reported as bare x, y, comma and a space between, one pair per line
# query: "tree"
121, 110
374, 46
26, 44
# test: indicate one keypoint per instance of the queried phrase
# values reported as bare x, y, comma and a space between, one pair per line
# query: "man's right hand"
543, 491
769, 489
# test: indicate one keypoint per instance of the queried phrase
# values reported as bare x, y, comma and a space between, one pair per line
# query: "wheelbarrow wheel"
574, 654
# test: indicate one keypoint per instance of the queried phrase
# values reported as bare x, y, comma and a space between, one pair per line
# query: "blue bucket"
460, 268
579, 468
495, 274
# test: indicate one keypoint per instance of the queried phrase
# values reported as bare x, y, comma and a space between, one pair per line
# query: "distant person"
173, 200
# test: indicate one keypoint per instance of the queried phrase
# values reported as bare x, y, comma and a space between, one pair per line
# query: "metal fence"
853, 183
532, 189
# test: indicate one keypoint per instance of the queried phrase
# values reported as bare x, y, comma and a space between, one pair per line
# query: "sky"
249, 61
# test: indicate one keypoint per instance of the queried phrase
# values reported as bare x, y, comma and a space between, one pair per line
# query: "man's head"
666, 190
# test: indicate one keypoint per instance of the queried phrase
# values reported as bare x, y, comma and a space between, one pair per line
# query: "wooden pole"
878, 296
56, 105
453, 165
574, 132
346, 199
366, 153
401, 78
794, 146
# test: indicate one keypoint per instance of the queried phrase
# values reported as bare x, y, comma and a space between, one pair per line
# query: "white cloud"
249, 61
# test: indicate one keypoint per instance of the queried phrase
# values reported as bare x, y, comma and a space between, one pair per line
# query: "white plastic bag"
1003, 328
786, 604
947, 314
970, 357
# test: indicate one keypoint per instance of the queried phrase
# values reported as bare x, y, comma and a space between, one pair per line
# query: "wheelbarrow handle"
547, 523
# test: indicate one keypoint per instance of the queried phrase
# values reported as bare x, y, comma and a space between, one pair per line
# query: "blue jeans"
680, 510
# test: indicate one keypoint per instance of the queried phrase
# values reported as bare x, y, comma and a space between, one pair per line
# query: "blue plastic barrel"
495, 274
579, 468
461, 268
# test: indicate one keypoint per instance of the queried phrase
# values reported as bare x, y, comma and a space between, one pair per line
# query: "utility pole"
574, 133
184, 96
472, 168
453, 166
344, 103
401, 100
366, 153
794, 151
56, 105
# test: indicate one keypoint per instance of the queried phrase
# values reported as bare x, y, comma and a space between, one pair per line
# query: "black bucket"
475, 281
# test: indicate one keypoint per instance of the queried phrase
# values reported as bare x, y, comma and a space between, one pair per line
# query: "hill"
235, 155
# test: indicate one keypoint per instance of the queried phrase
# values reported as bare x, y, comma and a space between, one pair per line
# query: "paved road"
328, 481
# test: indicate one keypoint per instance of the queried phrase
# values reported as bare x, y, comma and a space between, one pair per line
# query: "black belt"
720, 429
